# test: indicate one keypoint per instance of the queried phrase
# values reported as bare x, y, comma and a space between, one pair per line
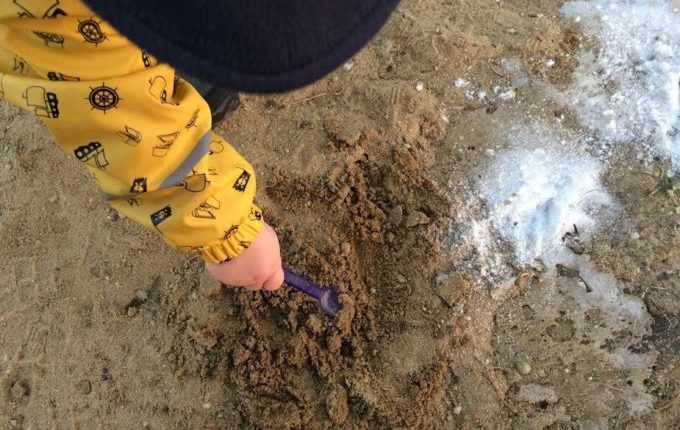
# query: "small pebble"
206, 405
635, 235
345, 248
457, 410
416, 218
396, 215
211, 425
337, 404
523, 367
541, 373
84, 386
53, 199
449, 417
18, 390
348, 66
401, 278
420, 86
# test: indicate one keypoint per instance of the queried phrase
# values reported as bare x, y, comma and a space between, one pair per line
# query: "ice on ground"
630, 90
513, 67
460, 83
535, 196
624, 314
504, 94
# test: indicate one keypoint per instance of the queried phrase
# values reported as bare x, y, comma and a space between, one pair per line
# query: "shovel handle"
302, 284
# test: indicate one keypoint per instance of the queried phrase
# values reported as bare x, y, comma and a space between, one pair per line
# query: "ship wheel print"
103, 97
91, 31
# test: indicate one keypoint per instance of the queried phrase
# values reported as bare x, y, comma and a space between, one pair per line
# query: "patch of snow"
480, 235
471, 242
513, 66
536, 195
630, 90
504, 94
479, 95
444, 117
460, 83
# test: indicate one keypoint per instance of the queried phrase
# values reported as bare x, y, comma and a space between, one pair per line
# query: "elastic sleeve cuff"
236, 240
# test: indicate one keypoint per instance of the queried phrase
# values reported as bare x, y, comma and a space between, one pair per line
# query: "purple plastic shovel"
327, 298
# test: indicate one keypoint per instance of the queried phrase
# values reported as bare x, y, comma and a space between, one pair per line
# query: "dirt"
367, 181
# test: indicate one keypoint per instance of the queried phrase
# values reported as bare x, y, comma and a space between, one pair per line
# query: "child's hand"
256, 268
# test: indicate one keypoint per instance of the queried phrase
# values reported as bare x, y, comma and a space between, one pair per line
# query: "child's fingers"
275, 280
257, 268
256, 283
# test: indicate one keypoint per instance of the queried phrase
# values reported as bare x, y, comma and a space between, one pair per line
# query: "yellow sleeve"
142, 132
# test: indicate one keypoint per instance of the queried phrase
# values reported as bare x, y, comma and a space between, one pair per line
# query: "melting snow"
460, 83
536, 196
630, 91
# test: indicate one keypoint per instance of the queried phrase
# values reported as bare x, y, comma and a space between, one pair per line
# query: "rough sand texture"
367, 181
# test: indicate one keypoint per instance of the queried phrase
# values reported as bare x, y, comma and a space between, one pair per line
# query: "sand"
371, 177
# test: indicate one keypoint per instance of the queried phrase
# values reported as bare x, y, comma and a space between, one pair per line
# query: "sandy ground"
367, 177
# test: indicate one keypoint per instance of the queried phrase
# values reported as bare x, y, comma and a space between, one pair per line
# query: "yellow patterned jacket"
144, 133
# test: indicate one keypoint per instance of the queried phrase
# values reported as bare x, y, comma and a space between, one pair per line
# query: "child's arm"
142, 132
